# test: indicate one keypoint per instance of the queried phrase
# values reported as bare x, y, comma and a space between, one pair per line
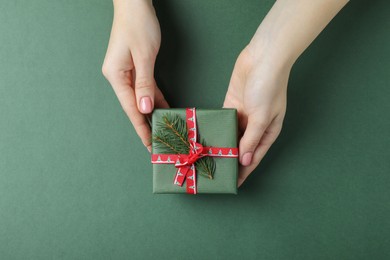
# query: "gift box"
194, 150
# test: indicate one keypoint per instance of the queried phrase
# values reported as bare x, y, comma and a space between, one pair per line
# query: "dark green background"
76, 182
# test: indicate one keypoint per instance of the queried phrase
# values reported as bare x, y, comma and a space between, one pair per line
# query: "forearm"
291, 26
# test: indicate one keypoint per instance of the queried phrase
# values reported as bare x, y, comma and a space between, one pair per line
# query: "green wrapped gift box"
218, 129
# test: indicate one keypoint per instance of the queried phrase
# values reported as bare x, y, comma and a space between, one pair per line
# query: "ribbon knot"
195, 153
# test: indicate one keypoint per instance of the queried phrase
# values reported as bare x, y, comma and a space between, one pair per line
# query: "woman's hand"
257, 89
258, 85
129, 63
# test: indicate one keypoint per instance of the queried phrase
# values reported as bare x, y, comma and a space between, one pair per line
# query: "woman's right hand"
129, 62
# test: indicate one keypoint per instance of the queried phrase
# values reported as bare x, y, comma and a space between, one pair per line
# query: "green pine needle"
171, 137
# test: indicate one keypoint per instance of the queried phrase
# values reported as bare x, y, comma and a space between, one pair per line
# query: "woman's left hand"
257, 89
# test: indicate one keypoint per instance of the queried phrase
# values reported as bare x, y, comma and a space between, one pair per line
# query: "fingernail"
146, 105
246, 159
149, 148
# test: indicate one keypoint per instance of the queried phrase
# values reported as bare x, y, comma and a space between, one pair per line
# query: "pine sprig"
177, 126
171, 137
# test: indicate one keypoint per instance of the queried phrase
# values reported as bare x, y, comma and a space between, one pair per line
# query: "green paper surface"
76, 181
218, 127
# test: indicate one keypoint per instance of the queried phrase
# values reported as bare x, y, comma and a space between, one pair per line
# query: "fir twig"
164, 142
178, 127
206, 164
171, 137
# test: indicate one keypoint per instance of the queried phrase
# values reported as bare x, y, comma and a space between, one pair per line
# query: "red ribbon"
185, 163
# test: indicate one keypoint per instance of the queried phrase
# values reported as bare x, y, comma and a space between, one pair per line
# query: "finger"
268, 138
126, 97
144, 86
116, 70
242, 119
160, 102
245, 171
251, 138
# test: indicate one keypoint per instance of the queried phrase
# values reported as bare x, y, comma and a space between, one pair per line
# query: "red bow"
196, 150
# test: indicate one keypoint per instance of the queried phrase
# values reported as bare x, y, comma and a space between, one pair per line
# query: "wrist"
267, 56
269, 44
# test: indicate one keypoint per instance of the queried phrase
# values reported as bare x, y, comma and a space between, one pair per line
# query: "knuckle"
112, 73
144, 83
251, 143
107, 71
248, 144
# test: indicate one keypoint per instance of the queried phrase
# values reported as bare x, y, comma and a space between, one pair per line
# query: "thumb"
144, 87
251, 139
